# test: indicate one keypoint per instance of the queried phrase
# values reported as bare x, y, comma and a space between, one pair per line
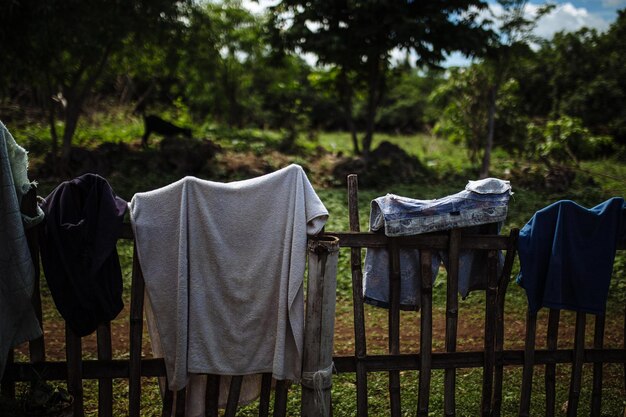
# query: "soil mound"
386, 164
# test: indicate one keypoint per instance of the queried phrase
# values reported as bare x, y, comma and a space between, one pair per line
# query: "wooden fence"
492, 358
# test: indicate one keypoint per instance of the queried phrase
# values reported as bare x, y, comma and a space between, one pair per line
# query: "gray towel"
18, 322
224, 268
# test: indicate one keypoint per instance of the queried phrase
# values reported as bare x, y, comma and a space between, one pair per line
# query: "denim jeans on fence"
482, 203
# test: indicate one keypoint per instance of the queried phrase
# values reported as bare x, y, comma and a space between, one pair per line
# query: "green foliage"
60, 49
357, 39
566, 139
464, 119
406, 108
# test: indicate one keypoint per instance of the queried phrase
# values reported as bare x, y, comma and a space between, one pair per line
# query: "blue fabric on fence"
482, 203
566, 255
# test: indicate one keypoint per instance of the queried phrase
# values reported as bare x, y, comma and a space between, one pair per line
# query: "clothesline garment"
18, 322
78, 251
476, 209
566, 255
224, 267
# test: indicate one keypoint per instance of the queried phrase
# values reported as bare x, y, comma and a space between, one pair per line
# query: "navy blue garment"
83, 218
566, 255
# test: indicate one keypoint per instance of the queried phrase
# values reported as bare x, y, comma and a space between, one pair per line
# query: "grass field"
450, 170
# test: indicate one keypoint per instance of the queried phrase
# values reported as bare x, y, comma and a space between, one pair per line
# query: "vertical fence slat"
360, 346
319, 328
490, 316
168, 403
551, 343
503, 284
529, 364
73, 348
577, 366
233, 396
598, 343
105, 385
181, 402
266, 391
212, 394
36, 347
452, 314
426, 333
394, 324
280, 398
8, 387
136, 329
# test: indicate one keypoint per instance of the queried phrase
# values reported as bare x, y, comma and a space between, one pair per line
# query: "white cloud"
566, 17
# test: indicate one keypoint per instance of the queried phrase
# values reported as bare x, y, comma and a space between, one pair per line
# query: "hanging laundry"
481, 204
18, 321
78, 251
566, 255
224, 267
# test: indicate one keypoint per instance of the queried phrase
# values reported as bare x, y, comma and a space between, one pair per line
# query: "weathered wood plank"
319, 326
212, 393
577, 366
426, 333
490, 319
394, 324
136, 330
550, 373
452, 314
598, 343
503, 283
233, 396
266, 392
433, 241
529, 364
105, 385
360, 343
73, 349
280, 398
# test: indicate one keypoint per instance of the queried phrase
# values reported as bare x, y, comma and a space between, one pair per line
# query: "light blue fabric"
566, 255
481, 203
18, 322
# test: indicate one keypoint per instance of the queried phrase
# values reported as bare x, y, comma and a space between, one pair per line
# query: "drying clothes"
566, 255
78, 251
376, 277
481, 204
18, 322
224, 267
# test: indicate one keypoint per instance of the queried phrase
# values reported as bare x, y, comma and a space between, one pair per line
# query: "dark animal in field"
154, 124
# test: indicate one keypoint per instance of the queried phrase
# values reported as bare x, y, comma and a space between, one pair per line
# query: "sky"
569, 15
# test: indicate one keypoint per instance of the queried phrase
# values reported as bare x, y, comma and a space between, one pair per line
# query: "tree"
357, 37
67, 44
515, 34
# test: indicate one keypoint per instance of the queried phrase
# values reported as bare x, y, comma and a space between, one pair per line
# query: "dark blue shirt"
566, 255
78, 251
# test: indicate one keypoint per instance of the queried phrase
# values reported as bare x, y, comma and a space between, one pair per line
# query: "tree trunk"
72, 113
375, 88
345, 95
484, 171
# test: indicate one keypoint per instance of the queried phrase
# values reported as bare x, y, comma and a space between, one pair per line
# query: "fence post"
319, 328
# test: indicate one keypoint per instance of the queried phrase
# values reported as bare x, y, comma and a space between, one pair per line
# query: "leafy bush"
566, 139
